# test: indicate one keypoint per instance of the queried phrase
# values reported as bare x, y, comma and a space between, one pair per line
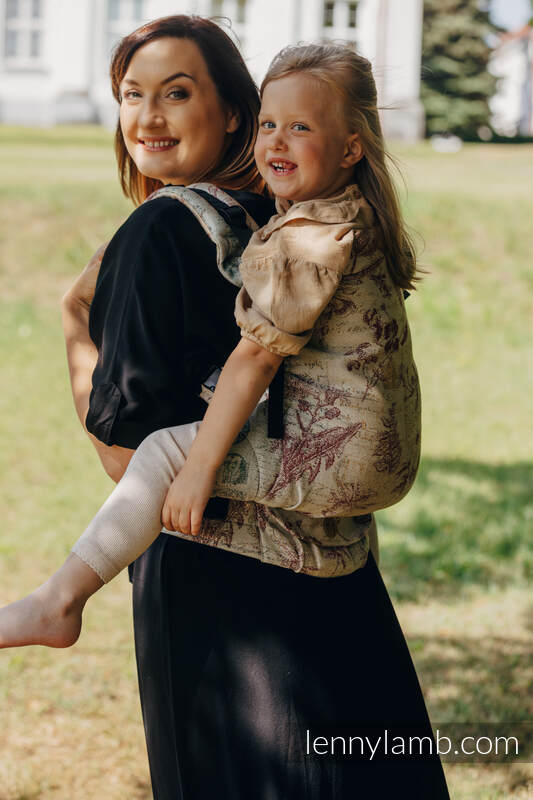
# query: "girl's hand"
187, 498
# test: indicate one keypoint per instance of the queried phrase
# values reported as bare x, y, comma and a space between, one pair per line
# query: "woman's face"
174, 123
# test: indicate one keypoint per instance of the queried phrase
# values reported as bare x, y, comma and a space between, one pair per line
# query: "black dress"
237, 660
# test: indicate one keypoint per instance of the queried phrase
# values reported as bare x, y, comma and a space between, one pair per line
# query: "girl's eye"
177, 94
267, 124
131, 94
299, 126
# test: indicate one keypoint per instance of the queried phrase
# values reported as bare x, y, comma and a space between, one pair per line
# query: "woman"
240, 662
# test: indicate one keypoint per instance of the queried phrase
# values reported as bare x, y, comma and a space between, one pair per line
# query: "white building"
512, 62
54, 54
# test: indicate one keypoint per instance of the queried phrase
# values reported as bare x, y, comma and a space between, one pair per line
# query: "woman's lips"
158, 145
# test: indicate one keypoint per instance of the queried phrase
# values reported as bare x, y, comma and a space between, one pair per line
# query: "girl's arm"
82, 356
246, 374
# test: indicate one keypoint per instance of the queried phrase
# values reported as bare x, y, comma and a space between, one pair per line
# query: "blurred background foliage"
457, 42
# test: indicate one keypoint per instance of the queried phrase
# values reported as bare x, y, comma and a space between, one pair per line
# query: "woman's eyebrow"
177, 75
170, 78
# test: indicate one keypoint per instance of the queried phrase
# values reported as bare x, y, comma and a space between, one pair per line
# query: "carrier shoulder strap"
224, 220
230, 227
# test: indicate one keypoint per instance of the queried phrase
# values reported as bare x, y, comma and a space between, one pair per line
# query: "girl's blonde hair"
350, 75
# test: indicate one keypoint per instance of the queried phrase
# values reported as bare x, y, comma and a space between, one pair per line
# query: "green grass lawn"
457, 553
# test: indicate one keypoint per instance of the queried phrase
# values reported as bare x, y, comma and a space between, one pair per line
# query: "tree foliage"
456, 83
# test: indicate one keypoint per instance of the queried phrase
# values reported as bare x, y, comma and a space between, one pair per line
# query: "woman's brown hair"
350, 76
235, 88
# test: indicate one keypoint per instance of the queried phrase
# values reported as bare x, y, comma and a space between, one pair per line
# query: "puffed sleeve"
288, 280
136, 321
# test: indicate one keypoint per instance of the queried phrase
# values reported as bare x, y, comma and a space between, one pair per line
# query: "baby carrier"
345, 414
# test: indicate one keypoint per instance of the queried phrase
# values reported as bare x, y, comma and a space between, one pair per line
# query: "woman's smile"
159, 145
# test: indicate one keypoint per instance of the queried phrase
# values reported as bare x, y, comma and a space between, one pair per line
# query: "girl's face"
174, 123
303, 148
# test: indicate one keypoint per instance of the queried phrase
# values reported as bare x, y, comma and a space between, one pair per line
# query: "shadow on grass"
465, 524
476, 679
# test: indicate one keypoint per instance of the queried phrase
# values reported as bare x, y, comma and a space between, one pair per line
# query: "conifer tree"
456, 85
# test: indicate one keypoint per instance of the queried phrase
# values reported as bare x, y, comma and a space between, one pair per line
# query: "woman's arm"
246, 374
82, 356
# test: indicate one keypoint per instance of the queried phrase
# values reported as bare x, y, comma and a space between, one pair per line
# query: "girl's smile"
282, 167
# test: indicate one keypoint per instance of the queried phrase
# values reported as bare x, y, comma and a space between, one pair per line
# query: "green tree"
456, 83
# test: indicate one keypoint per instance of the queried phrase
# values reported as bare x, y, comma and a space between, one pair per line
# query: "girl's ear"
353, 151
233, 120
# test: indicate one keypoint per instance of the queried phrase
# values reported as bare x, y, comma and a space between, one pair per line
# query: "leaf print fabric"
352, 401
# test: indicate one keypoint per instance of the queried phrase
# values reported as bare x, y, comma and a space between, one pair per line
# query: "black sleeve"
138, 324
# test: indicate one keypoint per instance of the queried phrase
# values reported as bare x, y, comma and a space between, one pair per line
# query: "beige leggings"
130, 519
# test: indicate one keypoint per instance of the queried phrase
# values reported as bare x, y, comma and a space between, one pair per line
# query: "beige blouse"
292, 267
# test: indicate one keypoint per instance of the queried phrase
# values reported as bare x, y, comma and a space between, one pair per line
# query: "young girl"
323, 288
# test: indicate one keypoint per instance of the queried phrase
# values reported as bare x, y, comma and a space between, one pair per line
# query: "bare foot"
39, 619
51, 615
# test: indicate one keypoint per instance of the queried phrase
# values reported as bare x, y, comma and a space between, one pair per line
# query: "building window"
12, 9
241, 11
329, 9
234, 10
23, 33
113, 10
35, 44
125, 10
11, 47
342, 16
123, 16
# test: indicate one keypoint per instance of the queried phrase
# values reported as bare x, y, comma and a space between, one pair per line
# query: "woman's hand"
187, 498
81, 292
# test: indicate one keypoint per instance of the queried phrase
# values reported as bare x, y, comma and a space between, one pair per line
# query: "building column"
399, 56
